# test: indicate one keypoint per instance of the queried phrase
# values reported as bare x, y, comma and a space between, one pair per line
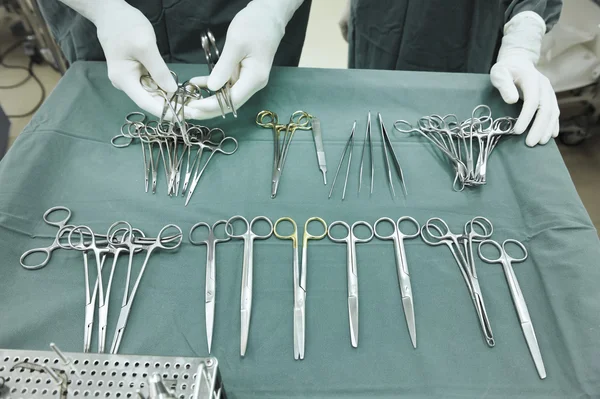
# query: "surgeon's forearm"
92, 9
283, 10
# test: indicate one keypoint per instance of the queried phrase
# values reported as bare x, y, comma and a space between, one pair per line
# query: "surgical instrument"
128, 297
347, 150
467, 144
248, 236
211, 52
436, 232
299, 120
388, 152
506, 261
352, 270
318, 138
398, 237
214, 150
176, 141
60, 240
369, 143
299, 277
210, 288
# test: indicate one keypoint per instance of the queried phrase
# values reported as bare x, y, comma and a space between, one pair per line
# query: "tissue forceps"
247, 270
347, 149
128, 297
398, 237
517, 295
389, 148
210, 288
352, 270
366, 142
299, 277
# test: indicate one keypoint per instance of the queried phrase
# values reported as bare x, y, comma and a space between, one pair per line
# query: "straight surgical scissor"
247, 269
517, 295
210, 288
398, 237
352, 270
300, 277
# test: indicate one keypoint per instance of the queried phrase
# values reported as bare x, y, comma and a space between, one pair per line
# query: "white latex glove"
515, 74
250, 45
129, 45
343, 22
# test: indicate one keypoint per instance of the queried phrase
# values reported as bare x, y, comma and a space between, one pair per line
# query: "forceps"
388, 148
128, 297
247, 270
517, 295
347, 149
366, 142
210, 288
217, 149
443, 236
300, 277
90, 300
352, 271
211, 52
268, 119
398, 237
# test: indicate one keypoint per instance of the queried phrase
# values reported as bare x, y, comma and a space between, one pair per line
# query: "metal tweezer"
366, 142
388, 148
318, 138
347, 149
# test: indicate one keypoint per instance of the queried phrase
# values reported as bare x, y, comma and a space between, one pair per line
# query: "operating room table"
64, 157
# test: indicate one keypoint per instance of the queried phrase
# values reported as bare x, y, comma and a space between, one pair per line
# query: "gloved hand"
343, 22
129, 45
515, 74
250, 45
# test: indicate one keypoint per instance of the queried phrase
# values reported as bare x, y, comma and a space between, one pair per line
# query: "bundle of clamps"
122, 238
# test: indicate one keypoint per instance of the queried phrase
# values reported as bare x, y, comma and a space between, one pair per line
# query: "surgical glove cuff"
523, 36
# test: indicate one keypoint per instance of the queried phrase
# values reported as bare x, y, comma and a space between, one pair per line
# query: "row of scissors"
392, 163
120, 239
179, 147
467, 144
282, 139
434, 232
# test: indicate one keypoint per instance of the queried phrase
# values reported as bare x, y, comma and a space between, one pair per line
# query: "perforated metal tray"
105, 376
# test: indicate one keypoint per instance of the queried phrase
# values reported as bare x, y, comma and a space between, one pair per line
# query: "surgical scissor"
352, 270
210, 288
436, 232
300, 277
398, 237
517, 295
247, 269
128, 297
